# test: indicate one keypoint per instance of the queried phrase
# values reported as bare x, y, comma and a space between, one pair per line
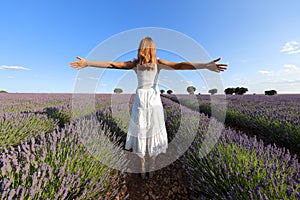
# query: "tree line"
229, 91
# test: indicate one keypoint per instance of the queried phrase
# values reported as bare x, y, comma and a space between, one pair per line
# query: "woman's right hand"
81, 63
216, 67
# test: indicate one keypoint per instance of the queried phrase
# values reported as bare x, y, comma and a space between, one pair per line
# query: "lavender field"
42, 155
275, 119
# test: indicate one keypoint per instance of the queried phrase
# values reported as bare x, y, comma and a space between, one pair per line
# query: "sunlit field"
43, 157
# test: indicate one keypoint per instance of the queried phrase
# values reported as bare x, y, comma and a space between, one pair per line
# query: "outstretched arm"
213, 66
82, 63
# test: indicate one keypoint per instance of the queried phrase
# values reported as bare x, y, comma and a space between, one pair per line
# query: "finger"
218, 59
78, 57
222, 65
222, 69
74, 64
74, 67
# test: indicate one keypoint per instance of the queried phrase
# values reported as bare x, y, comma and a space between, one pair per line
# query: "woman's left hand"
215, 67
81, 63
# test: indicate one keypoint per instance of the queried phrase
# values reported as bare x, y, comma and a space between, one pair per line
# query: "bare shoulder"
131, 64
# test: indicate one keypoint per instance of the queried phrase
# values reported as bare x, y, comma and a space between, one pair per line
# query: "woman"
147, 131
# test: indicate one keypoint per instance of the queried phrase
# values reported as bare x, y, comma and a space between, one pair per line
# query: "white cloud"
13, 67
268, 73
11, 77
290, 66
285, 79
290, 69
291, 47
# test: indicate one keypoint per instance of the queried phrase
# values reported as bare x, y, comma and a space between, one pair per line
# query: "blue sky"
260, 40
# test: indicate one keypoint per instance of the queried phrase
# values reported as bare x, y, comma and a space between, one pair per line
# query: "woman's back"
147, 78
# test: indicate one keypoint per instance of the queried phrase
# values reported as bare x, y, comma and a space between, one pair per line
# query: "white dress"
147, 130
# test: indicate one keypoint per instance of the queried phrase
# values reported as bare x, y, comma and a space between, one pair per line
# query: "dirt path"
170, 182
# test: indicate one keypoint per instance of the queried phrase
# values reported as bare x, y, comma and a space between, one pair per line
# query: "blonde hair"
147, 53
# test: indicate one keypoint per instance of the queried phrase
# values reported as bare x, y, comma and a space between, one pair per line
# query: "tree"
213, 91
169, 91
3, 91
240, 90
229, 90
270, 92
118, 90
191, 89
162, 91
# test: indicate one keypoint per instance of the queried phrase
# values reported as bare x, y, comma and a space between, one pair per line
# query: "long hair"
147, 53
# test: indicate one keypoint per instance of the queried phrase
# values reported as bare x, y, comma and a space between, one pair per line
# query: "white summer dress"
147, 130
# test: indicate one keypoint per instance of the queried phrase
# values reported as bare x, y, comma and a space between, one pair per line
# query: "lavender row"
62, 164
274, 119
238, 167
14, 127
281, 108
42, 166
18, 102
26, 115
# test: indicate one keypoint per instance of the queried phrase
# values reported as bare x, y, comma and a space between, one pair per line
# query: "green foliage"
229, 90
169, 91
191, 89
118, 90
237, 90
270, 92
213, 91
240, 90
